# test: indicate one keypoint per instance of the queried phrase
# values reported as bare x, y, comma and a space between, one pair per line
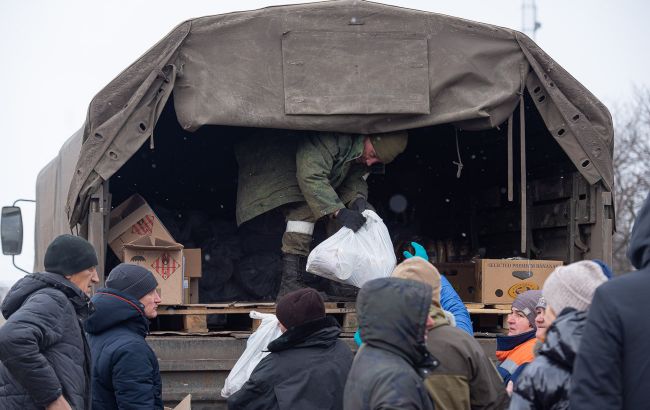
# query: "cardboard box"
496, 281
131, 220
502, 280
462, 277
165, 260
193, 262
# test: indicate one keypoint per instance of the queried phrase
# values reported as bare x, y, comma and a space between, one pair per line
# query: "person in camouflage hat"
320, 174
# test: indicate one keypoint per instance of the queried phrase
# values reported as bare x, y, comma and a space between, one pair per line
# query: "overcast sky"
56, 55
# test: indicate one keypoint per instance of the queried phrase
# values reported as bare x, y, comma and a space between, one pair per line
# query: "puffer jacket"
545, 383
390, 365
281, 167
125, 372
43, 349
612, 370
306, 369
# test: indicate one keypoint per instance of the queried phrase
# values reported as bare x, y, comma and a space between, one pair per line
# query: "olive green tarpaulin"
348, 66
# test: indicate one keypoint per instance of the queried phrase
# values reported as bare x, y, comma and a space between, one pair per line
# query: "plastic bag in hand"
255, 351
354, 258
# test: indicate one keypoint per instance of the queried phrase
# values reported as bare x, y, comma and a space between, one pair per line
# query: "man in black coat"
308, 364
393, 360
612, 370
45, 360
125, 370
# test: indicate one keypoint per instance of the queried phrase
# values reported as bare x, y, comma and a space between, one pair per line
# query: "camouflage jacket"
281, 167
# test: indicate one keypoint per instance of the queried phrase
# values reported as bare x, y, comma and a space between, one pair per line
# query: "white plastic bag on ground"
256, 346
355, 258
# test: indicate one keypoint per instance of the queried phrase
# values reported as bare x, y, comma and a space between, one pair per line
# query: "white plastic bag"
255, 351
355, 258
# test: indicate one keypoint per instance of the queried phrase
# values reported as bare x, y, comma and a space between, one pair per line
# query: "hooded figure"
125, 371
310, 176
390, 366
466, 378
545, 382
612, 370
43, 351
308, 364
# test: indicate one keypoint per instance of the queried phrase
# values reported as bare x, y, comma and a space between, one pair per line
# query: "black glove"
351, 219
360, 204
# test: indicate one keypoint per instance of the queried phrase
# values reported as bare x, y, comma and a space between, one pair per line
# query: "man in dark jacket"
308, 364
389, 367
465, 378
45, 360
612, 370
310, 177
125, 370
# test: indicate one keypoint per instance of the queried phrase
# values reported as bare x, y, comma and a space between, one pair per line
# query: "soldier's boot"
340, 292
293, 268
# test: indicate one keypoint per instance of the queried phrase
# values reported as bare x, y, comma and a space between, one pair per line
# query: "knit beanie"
418, 269
573, 286
526, 303
388, 146
134, 280
541, 303
69, 254
299, 307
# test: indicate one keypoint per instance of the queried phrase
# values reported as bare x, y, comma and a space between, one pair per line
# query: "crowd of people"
578, 343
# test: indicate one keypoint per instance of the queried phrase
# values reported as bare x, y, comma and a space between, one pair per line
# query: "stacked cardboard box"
138, 236
496, 281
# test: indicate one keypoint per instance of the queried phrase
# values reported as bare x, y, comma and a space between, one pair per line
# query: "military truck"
508, 154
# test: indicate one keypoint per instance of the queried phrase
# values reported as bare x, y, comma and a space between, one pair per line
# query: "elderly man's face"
151, 301
85, 279
368, 156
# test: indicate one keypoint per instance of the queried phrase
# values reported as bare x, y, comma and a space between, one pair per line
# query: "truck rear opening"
190, 180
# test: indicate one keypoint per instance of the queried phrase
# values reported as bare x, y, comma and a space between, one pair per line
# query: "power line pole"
529, 22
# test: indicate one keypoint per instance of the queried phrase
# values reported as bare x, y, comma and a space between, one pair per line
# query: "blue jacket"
450, 301
125, 372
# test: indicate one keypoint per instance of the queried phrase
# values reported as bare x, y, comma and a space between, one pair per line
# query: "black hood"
563, 338
114, 308
393, 314
639, 250
31, 283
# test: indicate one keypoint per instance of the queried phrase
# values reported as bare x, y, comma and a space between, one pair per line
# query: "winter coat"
306, 369
43, 350
466, 378
612, 370
278, 168
450, 301
514, 353
389, 367
125, 372
545, 382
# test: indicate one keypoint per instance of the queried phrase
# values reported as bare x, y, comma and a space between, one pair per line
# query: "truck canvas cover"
347, 66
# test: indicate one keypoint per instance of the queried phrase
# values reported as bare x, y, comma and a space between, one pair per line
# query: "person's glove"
360, 204
419, 251
351, 219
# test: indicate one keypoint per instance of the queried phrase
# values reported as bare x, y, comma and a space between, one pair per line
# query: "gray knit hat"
541, 303
526, 303
131, 279
573, 286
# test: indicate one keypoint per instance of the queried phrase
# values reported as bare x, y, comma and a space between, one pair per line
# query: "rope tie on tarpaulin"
458, 163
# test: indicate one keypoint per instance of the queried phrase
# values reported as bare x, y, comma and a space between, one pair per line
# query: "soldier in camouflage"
310, 176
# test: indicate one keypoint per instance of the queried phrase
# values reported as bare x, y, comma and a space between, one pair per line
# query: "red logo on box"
165, 265
144, 227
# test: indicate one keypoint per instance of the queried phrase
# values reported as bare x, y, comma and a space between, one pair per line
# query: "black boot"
293, 268
340, 292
